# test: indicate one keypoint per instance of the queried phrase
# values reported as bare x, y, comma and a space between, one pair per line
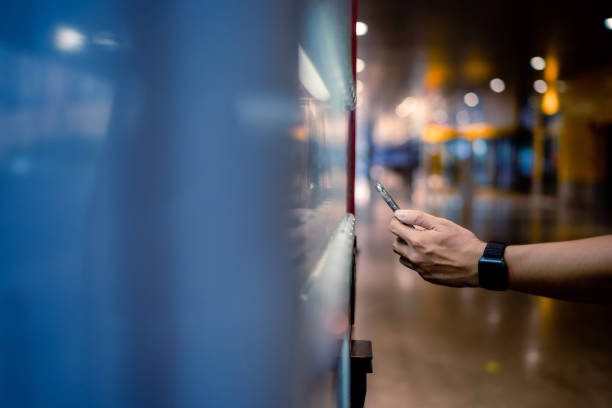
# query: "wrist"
475, 253
492, 269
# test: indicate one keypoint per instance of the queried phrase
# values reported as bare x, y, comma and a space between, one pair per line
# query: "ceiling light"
361, 28
68, 39
537, 63
360, 65
497, 85
540, 86
470, 99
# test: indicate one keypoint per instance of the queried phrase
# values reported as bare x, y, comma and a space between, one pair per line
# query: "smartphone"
387, 197
389, 200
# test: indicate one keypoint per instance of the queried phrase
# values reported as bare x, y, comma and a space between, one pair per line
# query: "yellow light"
360, 65
477, 131
361, 28
546, 307
300, 133
435, 76
550, 102
492, 367
438, 133
552, 69
477, 69
537, 63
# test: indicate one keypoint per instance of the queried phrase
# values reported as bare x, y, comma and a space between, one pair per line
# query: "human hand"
440, 251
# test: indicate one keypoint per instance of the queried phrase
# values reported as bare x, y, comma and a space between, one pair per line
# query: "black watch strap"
495, 250
492, 271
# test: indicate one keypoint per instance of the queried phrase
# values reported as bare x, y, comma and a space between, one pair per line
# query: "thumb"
419, 218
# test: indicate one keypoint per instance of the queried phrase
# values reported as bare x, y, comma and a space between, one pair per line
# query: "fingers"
404, 250
403, 231
406, 262
422, 273
420, 218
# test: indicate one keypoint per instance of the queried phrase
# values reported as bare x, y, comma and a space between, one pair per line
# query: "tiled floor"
443, 347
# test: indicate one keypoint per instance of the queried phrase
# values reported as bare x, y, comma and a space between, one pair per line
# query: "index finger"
415, 217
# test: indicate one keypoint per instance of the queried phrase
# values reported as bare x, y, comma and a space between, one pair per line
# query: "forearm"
572, 270
445, 253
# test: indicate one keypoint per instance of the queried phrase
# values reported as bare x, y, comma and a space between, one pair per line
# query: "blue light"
479, 146
525, 161
463, 150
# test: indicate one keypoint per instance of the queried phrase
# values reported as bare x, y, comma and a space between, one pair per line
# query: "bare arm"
447, 254
572, 270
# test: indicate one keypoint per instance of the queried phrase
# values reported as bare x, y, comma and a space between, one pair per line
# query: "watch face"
492, 273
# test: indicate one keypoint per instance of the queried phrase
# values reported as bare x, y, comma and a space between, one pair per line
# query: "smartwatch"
492, 271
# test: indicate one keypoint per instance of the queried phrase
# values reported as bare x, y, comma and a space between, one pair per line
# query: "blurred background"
176, 190
508, 96
498, 116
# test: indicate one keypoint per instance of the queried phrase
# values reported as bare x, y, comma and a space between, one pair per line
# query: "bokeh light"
360, 65
561, 86
407, 106
537, 63
439, 116
361, 28
497, 85
359, 86
68, 39
471, 99
550, 102
462, 118
479, 146
540, 86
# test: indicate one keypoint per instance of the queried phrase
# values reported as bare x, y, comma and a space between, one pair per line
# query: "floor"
442, 347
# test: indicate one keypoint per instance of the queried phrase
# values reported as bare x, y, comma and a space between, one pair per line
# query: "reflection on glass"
68, 39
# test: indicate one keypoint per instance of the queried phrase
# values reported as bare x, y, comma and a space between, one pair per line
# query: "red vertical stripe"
350, 146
